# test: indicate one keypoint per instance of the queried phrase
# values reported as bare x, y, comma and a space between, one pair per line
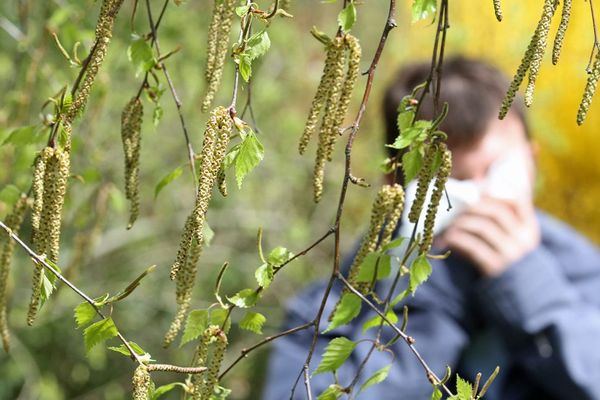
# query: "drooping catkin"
394, 214
13, 221
498, 10
222, 182
131, 127
540, 48
103, 32
212, 38
322, 94
590, 89
205, 388
562, 29
436, 196
37, 189
424, 178
184, 285
219, 48
141, 383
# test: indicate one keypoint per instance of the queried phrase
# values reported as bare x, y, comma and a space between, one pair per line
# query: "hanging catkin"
218, 44
13, 221
424, 178
590, 89
498, 10
204, 383
47, 236
185, 283
131, 126
141, 383
436, 196
562, 29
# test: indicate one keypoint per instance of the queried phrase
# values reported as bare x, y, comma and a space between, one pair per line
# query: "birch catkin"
424, 178
141, 383
498, 10
131, 126
590, 89
13, 221
562, 29
204, 383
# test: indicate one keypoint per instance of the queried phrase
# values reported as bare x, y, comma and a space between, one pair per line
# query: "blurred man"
520, 289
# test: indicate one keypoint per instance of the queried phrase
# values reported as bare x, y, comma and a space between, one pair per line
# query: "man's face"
502, 137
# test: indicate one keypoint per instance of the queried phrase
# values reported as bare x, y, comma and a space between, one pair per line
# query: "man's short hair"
473, 89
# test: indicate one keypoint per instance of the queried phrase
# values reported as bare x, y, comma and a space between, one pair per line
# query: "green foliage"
419, 272
436, 394
196, 323
84, 314
253, 322
31, 134
249, 155
99, 332
422, 9
348, 309
375, 265
347, 17
170, 177
140, 54
336, 353
464, 390
159, 391
244, 298
377, 320
377, 377
333, 392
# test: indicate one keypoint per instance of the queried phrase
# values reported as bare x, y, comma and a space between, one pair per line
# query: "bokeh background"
48, 360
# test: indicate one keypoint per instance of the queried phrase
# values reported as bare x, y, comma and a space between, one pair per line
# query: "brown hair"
472, 88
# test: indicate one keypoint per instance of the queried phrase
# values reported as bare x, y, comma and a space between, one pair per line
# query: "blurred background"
48, 360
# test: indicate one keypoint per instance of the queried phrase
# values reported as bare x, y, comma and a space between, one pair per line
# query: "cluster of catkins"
218, 43
386, 210
214, 147
131, 126
534, 55
333, 96
425, 176
204, 383
13, 221
49, 188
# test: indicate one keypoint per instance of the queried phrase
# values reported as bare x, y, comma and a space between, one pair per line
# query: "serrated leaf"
464, 390
333, 392
250, 155
264, 275
377, 320
258, 45
336, 353
84, 314
378, 377
279, 255
123, 350
196, 323
347, 17
253, 322
25, 135
245, 66
348, 309
436, 394
99, 332
393, 244
422, 9
419, 272
170, 177
140, 54
409, 136
372, 264
401, 296
159, 391
411, 163
48, 282
217, 317
244, 298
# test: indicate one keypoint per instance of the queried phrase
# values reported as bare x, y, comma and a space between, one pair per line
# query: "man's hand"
493, 234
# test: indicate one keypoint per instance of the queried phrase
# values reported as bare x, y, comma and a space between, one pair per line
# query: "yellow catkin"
212, 373
185, 283
394, 214
436, 196
226, 11
131, 127
540, 48
562, 29
141, 382
498, 10
37, 189
104, 27
333, 50
13, 221
425, 176
222, 182
212, 38
590, 89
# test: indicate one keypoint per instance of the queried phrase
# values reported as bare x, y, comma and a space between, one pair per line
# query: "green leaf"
157, 115
336, 353
242, 10
217, 317
48, 280
464, 390
220, 393
414, 134
333, 392
130, 288
347, 309
378, 377
411, 163
422, 9
123, 350
84, 314
393, 244
258, 45
374, 262
140, 54
419, 272
250, 155
401, 296
436, 394
245, 66
25, 135
170, 177
253, 322
279, 255
159, 391
377, 320
196, 323
347, 17
244, 298
99, 332
264, 275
